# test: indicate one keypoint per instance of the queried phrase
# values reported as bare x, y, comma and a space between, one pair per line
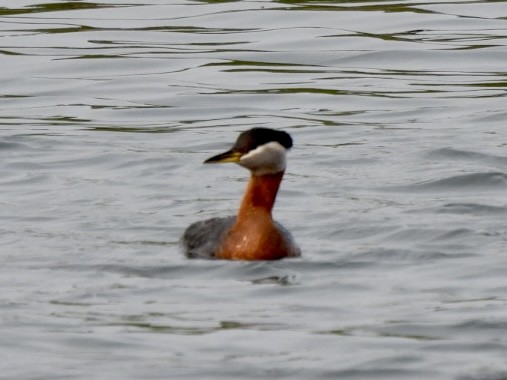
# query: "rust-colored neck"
255, 236
260, 194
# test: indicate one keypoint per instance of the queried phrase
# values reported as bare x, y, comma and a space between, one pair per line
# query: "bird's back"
202, 239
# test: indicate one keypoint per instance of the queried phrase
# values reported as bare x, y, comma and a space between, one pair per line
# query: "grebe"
252, 234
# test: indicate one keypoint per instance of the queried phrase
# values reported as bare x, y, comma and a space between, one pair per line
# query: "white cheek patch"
265, 159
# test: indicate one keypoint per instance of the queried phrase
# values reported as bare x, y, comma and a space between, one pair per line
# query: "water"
395, 189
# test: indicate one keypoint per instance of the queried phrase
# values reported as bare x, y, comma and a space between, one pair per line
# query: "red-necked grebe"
252, 234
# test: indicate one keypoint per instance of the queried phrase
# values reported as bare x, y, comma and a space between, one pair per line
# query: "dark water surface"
396, 189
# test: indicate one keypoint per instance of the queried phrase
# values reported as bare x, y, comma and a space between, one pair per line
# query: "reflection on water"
396, 188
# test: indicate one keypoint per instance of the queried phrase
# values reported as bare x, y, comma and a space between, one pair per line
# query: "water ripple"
488, 181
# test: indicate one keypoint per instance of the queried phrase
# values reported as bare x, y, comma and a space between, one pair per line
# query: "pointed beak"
229, 156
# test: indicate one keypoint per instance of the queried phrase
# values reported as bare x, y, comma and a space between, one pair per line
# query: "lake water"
396, 189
